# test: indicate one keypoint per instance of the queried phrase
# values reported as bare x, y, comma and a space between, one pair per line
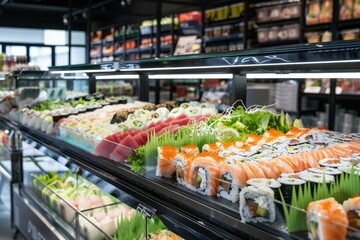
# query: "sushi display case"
189, 199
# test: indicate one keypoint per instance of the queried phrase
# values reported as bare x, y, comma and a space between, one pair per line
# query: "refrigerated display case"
183, 211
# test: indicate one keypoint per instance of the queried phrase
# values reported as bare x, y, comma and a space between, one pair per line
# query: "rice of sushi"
348, 169
232, 159
265, 182
257, 204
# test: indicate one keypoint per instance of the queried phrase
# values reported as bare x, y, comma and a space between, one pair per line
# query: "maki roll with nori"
331, 162
316, 178
265, 182
257, 204
326, 219
326, 170
287, 185
232, 179
352, 208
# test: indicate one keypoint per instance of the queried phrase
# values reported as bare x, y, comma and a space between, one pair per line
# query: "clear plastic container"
286, 12
273, 34
241, 27
283, 33
262, 15
326, 37
313, 37
226, 30
263, 35
209, 32
295, 10
293, 31
275, 13
217, 31
351, 34
313, 13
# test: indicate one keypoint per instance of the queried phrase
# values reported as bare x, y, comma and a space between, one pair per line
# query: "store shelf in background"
279, 22
95, 55
224, 38
224, 22
279, 43
163, 48
346, 96
96, 42
355, 23
132, 50
108, 40
107, 54
318, 27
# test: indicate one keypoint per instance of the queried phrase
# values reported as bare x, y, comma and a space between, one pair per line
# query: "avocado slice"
198, 179
262, 212
313, 227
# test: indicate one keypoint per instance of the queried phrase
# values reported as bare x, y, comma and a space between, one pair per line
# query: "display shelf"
279, 43
349, 23
108, 40
228, 21
184, 205
231, 37
96, 42
118, 52
340, 97
278, 22
318, 27
95, 55
131, 51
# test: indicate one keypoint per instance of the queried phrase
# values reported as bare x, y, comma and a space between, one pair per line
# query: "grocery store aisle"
5, 229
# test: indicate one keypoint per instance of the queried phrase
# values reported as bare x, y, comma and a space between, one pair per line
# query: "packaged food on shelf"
283, 33
273, 34
226, 30
222, 13
275, 13
326, 12
295, 10
350, 34
241, 27
262, 35
313, 13
209, 32
326, 37
356, 12
262, 15
217, 31
313, 37
286, 12
236, 9
346, 10
293, 31
210, 15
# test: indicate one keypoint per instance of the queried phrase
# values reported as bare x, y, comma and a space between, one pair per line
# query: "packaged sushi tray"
100, 215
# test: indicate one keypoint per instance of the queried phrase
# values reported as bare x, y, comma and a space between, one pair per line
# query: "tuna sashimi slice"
144, 136
160, 126
163, 130
181, 122
105, 147
130, 142
174, 128
139, 139
120, 153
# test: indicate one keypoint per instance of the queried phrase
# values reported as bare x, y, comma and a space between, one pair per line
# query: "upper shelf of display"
345, 56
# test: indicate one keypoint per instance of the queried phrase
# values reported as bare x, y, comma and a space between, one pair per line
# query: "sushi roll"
193, 112
348, 169
183, 165
326, 170
191, 149
352, 208
316, 178
265, 182
257, 204
326, 219
332, 162
287, 186
232, 159
205, 170
232, 179
176, 112
166, 161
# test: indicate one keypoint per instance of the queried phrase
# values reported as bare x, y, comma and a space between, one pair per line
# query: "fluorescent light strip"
279, 65
125, 76
83, 71
192, 76
347, 75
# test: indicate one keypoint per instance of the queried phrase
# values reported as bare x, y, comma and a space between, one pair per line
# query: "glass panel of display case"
41, 56
77, 55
